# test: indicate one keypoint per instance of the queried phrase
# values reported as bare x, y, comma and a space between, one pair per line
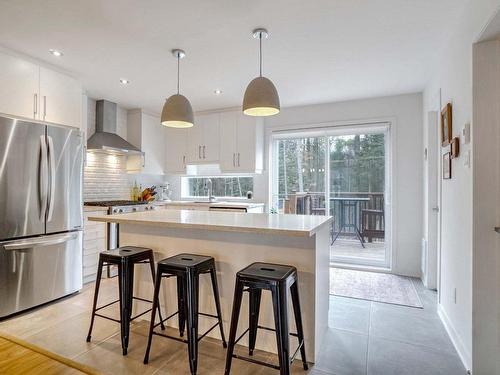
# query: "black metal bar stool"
187, 268
278, 279
125, 258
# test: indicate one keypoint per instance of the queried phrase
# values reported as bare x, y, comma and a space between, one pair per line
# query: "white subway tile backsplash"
105, 177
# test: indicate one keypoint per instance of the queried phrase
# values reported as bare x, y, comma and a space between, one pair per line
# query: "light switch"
465, 136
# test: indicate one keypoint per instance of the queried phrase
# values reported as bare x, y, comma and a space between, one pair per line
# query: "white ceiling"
318, 50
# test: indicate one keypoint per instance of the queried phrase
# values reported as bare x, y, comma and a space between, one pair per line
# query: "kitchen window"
223, 187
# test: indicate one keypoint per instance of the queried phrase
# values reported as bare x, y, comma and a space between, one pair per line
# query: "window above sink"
223, 186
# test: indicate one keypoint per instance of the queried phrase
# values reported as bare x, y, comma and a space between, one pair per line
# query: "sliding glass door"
300, 173
342, 172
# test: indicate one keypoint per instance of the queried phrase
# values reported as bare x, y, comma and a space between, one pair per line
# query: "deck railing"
313, 203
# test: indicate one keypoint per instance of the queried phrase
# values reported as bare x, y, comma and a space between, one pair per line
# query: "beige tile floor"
351, 248
62, 327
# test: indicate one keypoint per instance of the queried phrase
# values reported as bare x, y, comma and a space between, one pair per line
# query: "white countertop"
228, 204
291, 225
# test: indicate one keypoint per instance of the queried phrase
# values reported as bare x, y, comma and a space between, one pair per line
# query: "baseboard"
463, 352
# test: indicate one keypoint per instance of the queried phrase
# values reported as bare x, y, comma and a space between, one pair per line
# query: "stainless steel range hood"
105, 138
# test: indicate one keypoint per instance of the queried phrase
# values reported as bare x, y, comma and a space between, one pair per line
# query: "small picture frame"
446, 125
447, 166
455, 147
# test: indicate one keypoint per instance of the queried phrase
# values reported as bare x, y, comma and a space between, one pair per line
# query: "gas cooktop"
114, 203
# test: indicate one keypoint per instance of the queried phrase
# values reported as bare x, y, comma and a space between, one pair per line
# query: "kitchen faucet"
211, 197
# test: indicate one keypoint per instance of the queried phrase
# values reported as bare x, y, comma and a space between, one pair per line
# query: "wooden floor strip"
20, 357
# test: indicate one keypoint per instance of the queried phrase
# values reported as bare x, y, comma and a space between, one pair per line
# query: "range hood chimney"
105, 137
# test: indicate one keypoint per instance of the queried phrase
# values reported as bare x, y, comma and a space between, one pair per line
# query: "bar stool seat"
125, 258
187, 268
278, 279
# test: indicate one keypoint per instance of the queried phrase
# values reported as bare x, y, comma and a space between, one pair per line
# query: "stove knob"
120, 211
146, 208
134, 209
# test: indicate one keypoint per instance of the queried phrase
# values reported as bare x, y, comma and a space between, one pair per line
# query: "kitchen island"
236, 240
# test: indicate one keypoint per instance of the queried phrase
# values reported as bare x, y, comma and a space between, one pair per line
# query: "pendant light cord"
260, 54
178, 71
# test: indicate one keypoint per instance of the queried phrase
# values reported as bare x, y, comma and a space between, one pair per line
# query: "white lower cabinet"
94, 242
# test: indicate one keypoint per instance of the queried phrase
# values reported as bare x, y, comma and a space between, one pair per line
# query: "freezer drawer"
38, 270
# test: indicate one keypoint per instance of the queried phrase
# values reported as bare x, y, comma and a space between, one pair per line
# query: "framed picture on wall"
447, 166
446, 125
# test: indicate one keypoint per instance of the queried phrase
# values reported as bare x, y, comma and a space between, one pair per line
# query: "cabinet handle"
234, 159
44, 107
35, 105
184, 159
238, 159
203, 152
199, 152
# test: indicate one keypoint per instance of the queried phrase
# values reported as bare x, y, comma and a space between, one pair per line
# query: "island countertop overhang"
279, 224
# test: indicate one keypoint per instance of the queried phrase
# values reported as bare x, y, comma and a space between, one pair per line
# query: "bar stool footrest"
179, 338
256, 361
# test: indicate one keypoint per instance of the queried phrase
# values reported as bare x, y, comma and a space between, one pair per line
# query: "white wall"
406, 112
453, 75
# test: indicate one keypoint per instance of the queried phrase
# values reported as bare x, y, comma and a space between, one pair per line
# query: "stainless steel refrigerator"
41, 218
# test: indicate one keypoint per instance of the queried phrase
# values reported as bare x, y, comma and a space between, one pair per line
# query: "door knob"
435, 209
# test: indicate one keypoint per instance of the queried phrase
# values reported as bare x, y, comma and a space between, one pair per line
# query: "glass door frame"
347, 128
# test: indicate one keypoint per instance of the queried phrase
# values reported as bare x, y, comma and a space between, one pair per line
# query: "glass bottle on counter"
135, 192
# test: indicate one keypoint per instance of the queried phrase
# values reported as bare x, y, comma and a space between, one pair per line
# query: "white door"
211, 137
431, 205
228, 125
19, 88
176, 147
60, 98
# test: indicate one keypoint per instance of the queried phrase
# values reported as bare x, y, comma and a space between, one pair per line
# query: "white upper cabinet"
147, 133
30, 91
242, 143
18, 87
60, 98
203, 140
176, 150
228, 125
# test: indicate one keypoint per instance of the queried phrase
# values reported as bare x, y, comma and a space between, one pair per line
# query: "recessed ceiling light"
124, 81
217, 92
56, 52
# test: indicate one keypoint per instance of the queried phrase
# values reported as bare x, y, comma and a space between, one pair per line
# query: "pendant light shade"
177, 111
261, 97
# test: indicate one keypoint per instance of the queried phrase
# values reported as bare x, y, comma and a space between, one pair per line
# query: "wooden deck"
351, 248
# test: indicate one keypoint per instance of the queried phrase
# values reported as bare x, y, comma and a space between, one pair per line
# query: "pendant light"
261, 97
177, 111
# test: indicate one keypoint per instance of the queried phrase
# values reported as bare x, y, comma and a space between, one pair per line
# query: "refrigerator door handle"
52, 173
43, 177
39, 241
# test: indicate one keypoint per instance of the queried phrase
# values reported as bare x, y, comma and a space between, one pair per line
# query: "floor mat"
374, 286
